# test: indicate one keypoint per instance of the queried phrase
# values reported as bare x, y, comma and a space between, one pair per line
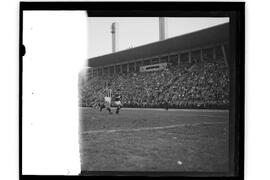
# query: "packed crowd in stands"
202, 85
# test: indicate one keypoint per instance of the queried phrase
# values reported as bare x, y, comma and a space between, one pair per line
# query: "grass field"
154, 140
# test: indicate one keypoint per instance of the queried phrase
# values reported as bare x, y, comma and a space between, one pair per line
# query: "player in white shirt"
107, 100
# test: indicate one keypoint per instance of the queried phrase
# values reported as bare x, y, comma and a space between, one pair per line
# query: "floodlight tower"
115, 36
163, 28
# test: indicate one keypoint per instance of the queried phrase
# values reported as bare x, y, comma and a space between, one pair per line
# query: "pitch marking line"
150, 128
162, 109
181, 110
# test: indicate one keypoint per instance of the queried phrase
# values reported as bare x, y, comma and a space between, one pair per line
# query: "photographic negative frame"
236, 13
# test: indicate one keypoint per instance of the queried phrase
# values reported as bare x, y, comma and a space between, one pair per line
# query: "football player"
107, 100
117, 101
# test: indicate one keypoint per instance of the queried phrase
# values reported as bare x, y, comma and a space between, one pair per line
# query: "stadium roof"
212, 35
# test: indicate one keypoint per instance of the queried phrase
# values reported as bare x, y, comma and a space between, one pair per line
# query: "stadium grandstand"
187, 71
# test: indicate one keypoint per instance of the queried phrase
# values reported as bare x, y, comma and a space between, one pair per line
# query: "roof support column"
214, 53
121, 70
105, 71
224, 55
178, 59
201, 55
189, 57
92, 72
113, 71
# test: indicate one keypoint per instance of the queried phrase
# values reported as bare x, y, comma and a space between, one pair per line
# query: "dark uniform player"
117, 101
101, 106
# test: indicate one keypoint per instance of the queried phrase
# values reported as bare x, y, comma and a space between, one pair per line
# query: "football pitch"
154, 140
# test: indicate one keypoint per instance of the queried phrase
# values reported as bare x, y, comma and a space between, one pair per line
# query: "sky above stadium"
137, 31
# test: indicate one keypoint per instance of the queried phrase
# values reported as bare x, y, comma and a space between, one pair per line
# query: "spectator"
205, 86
